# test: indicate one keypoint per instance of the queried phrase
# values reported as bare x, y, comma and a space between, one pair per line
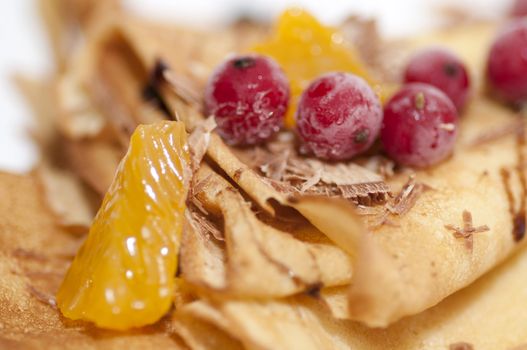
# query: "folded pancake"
249, 258
446, 227
120, 114
443, 228
484, 316
34, 255
34, 250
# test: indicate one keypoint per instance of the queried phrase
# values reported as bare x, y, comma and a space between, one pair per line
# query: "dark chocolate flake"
407, 197
237, 174
314, 290
178, 268
519, 227
157, 74
206, 225
281, 166
519, 218
151, 95
467, 232
150, 92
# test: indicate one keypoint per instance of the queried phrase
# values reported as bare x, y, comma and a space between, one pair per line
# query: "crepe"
261, 261
34, 253
452, 194
379, 242
410, 252
483, 316
34, 249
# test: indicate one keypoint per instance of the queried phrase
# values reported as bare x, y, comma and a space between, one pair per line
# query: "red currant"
442, 69
420, 125
248, 96
519, 9
338, 116
507, 63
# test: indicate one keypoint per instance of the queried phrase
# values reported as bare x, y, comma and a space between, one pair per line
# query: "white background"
23, 45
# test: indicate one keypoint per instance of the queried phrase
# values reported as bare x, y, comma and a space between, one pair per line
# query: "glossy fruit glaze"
123, 275
306, 49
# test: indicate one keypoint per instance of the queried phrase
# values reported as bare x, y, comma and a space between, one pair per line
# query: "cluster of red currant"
339, 116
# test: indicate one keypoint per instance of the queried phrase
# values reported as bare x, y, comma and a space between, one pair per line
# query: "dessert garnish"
506, 64
519, 8
468, 230
248, 96
420, 126
339, 116
123, 275
518, 212
442, 69
283, 167
306, 49
264, 225
404, 201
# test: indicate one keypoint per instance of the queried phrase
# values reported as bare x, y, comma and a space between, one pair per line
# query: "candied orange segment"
123, 275
306, 49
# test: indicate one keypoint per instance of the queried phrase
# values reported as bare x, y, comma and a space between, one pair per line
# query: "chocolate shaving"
237, 174
197, 203
314, 290
199, 140
275, 169
383, 219
370, 211
282, 167
468, 230
461, 346
195, 189
151, 93
407, 197
205, 225
400, 205
365, 193
381, 165
312, 181
42, 297
199, 186
281, 187
518, 216
519, 227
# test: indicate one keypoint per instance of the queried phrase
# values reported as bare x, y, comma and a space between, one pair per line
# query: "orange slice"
123, 275
306, 49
